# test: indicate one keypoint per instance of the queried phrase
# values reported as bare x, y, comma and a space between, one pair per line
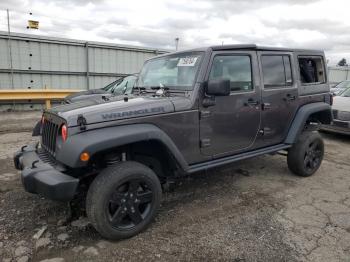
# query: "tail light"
64, 133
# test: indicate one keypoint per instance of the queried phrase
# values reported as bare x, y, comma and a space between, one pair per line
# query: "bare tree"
342, 62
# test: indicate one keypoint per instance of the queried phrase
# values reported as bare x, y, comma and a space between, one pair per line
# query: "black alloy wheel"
129, 204
123, 200
313, 156
306, 155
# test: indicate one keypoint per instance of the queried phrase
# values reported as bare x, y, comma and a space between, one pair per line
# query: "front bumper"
338, 126
39, 177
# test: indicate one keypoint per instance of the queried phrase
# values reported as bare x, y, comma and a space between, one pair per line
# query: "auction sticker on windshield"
187, 61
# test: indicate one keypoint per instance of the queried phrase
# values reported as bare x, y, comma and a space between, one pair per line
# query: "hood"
117, 108
341, 103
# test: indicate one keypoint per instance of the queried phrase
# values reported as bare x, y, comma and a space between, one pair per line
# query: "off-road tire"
98, 199
300, 154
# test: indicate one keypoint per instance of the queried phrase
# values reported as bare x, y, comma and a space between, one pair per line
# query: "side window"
311, 70
236, 68
277, 70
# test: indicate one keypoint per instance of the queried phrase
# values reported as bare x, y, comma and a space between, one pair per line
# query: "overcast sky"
315, 24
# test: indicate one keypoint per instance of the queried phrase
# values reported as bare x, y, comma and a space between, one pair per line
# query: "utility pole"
9, 46
177, 43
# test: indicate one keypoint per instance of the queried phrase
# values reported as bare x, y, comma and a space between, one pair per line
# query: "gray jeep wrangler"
189, 111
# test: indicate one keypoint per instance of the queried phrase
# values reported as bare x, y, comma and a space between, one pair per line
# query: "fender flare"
301, 117
97, 140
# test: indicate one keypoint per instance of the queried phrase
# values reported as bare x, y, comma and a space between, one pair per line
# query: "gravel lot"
255, 210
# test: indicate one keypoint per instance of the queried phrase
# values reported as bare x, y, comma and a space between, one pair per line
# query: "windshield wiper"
159, 87
168, 89
141, 89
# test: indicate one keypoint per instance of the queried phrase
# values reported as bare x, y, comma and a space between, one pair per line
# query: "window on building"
277, 70
311, 70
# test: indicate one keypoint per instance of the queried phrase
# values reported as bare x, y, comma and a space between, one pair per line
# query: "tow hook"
22, 148
34, 163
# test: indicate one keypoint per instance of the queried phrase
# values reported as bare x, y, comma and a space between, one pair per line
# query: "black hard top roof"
255, 47
245, 47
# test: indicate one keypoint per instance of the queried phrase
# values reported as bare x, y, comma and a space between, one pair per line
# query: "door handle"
251, 102
289, 97
265, 106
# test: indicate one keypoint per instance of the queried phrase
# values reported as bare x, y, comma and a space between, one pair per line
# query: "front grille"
49, 135
46, 157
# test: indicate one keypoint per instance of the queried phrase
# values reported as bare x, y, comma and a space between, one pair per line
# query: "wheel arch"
320, 112
100, 140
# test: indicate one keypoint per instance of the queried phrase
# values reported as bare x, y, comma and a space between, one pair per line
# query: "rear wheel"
123, 199
305, 157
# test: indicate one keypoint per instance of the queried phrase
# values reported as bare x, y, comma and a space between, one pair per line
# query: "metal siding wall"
45, 62
102, 80
338, 74
4, 54
105, 60
64, 62
40, 81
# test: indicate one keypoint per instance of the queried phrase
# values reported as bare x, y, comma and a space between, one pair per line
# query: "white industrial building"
338, 74
37, 62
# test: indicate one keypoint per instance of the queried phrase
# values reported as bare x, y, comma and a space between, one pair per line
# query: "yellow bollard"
48, 104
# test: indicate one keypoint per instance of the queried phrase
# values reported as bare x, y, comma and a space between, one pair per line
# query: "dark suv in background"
189, 111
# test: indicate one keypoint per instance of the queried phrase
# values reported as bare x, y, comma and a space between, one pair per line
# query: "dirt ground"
255, 210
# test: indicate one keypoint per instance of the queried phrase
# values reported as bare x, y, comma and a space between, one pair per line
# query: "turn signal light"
64, 133
84, 156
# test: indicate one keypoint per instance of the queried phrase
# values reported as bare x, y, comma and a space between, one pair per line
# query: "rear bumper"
341, 127
41, 178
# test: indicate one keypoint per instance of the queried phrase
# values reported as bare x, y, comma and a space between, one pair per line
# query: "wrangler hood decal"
95, 111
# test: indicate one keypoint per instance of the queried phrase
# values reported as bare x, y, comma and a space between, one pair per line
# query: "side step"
230, 159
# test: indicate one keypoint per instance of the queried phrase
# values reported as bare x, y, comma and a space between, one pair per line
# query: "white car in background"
337, 89
341, 114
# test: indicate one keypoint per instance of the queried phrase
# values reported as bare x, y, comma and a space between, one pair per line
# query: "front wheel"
305, 157
123, 199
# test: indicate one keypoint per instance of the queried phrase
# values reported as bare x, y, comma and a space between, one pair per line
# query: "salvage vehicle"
341, 114
189, 111
121, 86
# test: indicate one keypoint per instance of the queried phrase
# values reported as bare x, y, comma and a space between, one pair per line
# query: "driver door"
231, 123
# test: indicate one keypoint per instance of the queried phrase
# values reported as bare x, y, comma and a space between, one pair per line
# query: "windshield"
346, 93
344, 84
177, 71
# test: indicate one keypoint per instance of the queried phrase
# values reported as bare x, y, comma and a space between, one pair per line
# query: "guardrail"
35, 94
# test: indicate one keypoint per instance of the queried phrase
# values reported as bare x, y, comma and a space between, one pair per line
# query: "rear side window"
311, 70
277, 70
236, 68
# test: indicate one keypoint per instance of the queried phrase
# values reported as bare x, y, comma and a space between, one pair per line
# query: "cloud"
144, 37
294, 23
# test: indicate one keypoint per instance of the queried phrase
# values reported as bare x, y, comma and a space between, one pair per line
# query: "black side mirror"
218, 87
